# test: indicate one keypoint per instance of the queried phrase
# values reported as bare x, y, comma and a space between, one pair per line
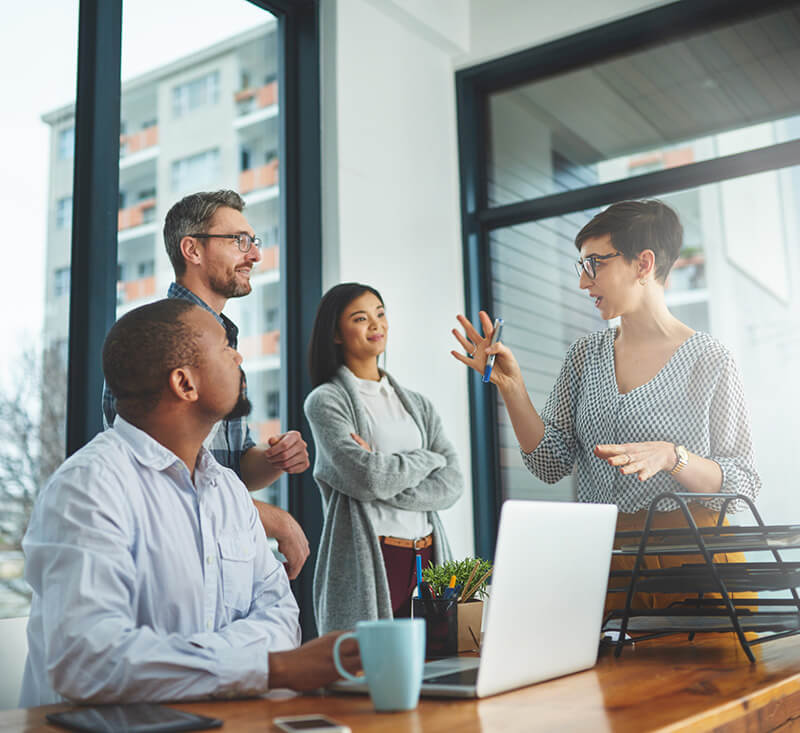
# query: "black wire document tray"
771, 618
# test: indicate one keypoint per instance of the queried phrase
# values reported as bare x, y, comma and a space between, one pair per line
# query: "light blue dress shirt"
147, 585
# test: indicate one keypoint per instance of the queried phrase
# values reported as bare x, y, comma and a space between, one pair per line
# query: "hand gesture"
644, 459
363, 443
288, 452
292, 541
505, 371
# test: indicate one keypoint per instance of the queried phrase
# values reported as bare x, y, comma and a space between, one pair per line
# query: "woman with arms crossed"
646, 407
383, 465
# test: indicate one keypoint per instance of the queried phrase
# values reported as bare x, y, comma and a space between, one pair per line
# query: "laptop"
546, 603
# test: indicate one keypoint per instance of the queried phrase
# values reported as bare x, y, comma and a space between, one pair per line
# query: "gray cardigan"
349, 578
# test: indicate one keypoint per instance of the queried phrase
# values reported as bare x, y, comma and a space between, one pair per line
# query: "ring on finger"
627, 459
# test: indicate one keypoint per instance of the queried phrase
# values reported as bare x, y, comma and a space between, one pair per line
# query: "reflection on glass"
716, 93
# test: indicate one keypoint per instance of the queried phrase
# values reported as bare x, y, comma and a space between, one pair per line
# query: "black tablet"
135, 718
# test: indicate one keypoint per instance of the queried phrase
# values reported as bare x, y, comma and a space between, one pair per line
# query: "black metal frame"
94, 227
93, 276
728, 603
474, 86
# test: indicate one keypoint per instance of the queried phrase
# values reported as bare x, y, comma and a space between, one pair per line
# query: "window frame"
474, 86
93, 286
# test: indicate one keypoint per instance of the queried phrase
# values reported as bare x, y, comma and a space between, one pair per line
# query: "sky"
39, 40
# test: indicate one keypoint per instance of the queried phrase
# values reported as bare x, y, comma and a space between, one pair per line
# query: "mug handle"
339, 668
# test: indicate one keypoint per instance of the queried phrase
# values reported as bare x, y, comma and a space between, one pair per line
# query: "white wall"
390, 170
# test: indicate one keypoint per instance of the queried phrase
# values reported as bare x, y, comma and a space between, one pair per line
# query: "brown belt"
419, 544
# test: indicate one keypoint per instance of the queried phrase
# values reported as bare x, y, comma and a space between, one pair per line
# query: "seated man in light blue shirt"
151, 573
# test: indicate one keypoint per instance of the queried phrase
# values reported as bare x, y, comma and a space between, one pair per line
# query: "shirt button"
210, 559
209, 625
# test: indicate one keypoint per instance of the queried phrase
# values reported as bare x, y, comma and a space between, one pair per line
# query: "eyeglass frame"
252, 241
591, 261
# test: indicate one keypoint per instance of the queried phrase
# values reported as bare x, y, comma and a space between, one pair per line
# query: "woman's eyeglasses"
589, 264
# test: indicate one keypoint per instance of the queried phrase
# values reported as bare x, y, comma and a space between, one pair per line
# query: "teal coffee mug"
393, 655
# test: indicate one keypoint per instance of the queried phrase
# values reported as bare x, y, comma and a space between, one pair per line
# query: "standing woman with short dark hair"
383, 465
646, 407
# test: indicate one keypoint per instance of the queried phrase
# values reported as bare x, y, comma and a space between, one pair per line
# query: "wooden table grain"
666, 685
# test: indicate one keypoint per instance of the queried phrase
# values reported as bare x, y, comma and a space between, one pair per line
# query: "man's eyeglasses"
243, 241
589, 264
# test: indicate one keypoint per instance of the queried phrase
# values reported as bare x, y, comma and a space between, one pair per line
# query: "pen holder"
450, 627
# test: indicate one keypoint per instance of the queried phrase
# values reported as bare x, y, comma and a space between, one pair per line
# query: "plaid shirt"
231, 439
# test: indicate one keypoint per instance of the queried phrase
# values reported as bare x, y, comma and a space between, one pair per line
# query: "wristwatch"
682, 456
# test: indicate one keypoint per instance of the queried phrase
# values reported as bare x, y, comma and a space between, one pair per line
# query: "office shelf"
772, 618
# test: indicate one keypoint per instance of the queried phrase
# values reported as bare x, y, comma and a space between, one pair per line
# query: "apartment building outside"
204, 122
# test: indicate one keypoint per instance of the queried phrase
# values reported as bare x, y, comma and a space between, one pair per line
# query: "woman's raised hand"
478, 348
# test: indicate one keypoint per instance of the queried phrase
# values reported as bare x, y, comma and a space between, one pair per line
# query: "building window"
195, 171
199, 92
273, 405
146, 268
64, 212
66, 143
61, 282
272, 319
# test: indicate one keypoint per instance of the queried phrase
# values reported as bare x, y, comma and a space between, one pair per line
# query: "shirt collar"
231, 329
149, 452
370, 386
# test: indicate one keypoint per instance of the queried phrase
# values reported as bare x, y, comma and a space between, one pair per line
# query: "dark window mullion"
773, 157
93, 291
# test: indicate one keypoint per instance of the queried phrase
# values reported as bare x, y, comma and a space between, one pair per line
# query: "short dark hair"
192, 215
142, 348
635, 226
324, 354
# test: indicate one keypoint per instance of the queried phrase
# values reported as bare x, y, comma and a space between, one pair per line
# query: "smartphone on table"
309, 724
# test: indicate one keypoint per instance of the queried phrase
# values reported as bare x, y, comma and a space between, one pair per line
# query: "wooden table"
667, 685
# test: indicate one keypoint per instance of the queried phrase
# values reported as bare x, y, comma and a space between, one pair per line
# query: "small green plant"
471, 574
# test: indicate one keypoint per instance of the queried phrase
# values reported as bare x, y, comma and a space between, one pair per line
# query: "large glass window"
657, 111
660, 108
199, 116
37, 149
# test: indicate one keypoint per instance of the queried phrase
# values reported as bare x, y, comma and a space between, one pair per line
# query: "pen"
419, 575
487, 372
450, 590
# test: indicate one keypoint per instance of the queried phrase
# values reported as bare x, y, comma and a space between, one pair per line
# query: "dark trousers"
401, 572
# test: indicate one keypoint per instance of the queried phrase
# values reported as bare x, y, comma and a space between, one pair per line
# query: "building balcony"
252, 98
132, 290
137, 141
134, 216
263, 344
264, 176
266, 429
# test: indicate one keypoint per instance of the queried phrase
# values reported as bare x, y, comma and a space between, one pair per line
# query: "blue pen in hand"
487, 372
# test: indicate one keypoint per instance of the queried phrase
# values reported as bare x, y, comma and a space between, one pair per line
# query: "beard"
243, 405
228, 286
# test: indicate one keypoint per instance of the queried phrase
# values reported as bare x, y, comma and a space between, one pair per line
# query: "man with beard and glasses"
152, 578
213, 250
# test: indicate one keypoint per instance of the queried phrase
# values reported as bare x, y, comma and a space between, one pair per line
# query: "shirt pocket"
236, 564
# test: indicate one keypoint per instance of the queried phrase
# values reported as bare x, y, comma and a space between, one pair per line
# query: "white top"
391, 430
148, 585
